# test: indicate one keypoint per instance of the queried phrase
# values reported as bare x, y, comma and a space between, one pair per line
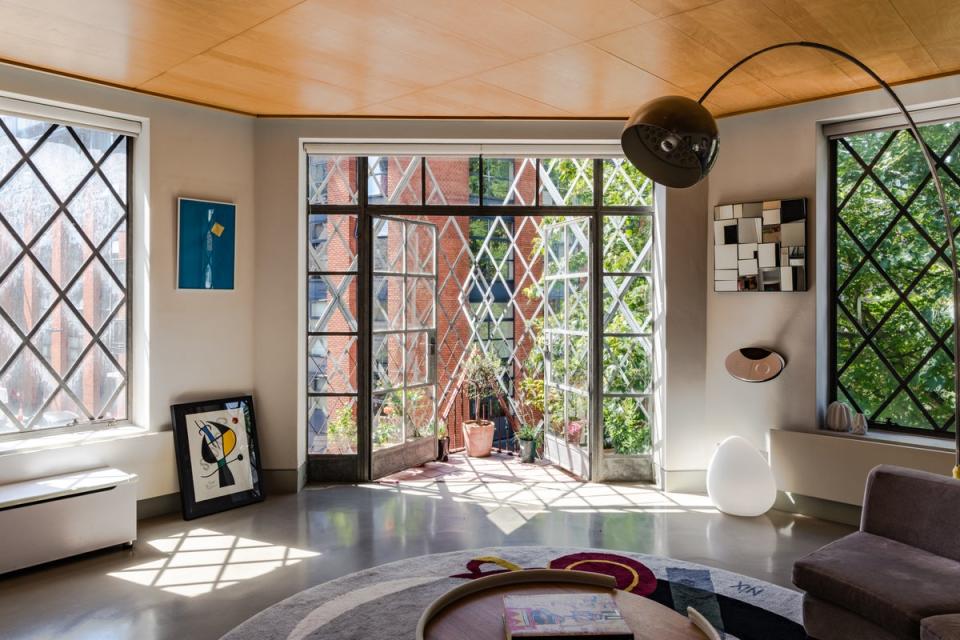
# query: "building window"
64, 311
892, 318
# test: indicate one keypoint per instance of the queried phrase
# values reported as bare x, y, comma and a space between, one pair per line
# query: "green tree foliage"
626, 428
482, 373
342, 429
890, 243
627, 305
624, 186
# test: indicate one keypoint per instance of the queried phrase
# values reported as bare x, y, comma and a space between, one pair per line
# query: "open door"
566, 331
404, 332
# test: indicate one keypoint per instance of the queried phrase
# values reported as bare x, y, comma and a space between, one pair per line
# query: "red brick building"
488, 270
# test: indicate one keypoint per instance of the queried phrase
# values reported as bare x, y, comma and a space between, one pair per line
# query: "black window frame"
944, 341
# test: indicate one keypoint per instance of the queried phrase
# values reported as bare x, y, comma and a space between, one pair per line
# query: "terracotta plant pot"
478, 437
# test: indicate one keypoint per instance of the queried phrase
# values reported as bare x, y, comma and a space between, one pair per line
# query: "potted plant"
414, 415
528, 404
443, 442
389, 423
342, 431
527, 437
481, 373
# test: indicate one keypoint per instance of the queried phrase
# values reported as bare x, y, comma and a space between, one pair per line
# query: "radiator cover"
60, 516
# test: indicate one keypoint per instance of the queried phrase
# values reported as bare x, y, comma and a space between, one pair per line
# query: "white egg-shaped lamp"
739, 480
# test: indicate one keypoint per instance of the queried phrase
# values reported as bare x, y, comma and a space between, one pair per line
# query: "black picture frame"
195, 468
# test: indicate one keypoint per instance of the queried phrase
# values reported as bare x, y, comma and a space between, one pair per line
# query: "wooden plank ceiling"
520, 58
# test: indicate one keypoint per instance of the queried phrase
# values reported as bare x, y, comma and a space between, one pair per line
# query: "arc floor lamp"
674, 140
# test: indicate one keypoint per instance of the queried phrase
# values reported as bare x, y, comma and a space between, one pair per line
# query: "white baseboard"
684, 481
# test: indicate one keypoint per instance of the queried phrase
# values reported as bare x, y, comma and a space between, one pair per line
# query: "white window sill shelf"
889, 437
77, 438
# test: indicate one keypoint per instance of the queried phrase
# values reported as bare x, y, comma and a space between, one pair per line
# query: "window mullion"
864, 167
97, 163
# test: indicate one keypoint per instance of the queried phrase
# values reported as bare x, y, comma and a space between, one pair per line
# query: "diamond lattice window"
496, 275
892, 347
63, 275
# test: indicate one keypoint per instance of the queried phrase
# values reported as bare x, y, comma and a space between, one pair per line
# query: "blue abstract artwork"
207, 244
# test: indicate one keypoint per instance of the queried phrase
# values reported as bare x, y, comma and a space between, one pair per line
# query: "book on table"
564, 616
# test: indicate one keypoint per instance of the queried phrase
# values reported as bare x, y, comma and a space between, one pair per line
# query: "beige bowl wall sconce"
755, 364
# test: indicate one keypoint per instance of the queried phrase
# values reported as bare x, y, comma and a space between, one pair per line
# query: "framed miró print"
206, 244
218, 457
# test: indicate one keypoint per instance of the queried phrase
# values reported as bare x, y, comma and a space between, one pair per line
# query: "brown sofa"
898, 577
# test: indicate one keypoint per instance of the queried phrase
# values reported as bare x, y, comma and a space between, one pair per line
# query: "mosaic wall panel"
760, 246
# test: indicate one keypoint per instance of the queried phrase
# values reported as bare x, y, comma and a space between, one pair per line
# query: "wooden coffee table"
479, 616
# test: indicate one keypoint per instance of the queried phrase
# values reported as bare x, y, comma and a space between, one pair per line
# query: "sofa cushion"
824, 621
940, 628
889, 583
913, 507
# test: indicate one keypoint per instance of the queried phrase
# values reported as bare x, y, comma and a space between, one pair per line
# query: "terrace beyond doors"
415, 263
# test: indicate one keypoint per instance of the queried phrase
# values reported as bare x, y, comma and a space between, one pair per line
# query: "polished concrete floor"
196, 580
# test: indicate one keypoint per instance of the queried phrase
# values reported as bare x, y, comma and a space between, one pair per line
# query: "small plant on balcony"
528, 433
528, 437
386, 433
414, 409
342, 430
528, 406
389, 423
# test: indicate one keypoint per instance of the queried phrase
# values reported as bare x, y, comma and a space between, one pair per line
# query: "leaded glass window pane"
510, 182
566, 181
892, 316
63, 275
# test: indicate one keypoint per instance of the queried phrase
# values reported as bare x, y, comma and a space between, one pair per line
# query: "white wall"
684, 339
775, 154
205, 344
200, 343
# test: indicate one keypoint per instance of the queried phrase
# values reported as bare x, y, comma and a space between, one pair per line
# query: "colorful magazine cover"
558, 615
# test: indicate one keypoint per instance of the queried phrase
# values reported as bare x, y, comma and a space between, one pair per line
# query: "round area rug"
386, 602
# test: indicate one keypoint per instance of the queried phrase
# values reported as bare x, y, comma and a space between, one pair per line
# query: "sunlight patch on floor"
507, 518
512, 493
200, 561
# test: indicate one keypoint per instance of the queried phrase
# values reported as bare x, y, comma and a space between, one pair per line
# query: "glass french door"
567, 333
403, 403
547, 262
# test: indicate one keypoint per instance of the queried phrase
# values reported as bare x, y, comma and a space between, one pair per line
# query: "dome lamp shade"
672, 140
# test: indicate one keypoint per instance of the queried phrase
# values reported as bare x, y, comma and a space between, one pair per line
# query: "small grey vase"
858, 424
838, 417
